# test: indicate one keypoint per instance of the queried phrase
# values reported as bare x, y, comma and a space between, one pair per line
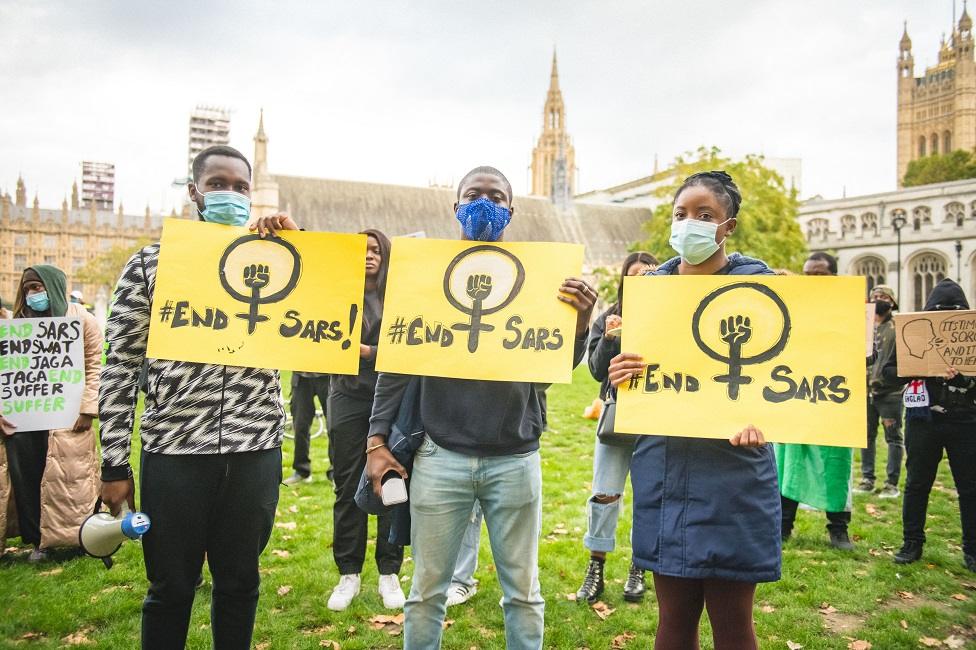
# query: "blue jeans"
611, 464
467, 562
444, 487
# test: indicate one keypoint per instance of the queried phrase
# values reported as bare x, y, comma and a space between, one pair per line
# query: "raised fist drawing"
479, 287
736, 330
257, 276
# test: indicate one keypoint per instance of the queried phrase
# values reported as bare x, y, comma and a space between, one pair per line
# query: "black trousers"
304, 390
348, 426
836, 521
26, 458
218, 506
925, 441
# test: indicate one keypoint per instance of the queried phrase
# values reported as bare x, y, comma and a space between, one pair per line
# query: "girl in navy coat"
706, 512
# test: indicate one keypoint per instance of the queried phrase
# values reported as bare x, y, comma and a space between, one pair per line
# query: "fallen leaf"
959, 597
602, 609
293, 509
79, 637
954, 642
571, 597
282, 554
904, 624
287, 525
929, 642
621, 640
283, 590
448, 622
767, 609
906, 595
351, 629
264, 645
827, 608
793, 646
329, 643
859, 645
871, 510
52, 572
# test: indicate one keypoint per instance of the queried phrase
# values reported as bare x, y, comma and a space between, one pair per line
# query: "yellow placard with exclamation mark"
224, 295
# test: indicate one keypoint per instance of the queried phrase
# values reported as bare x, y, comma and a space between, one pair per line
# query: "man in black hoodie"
482, 445
940, 416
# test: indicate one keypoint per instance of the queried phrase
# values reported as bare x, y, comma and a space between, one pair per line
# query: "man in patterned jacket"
211, 443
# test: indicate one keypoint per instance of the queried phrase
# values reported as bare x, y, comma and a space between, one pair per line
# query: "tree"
953, 166
767, 226
104, 270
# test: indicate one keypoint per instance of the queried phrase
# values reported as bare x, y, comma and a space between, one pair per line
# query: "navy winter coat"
703, 508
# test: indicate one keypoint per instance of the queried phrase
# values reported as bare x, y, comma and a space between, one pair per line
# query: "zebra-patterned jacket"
190, 408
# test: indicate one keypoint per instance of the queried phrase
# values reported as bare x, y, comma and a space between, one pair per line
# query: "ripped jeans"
611, 464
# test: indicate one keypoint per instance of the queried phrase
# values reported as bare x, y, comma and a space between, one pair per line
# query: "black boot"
840, 540
910, 552
592, 582
634, 588
970, 560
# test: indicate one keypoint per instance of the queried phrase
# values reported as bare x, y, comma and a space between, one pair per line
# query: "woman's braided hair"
721, 185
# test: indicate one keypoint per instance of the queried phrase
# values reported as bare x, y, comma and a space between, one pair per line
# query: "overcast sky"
408, 92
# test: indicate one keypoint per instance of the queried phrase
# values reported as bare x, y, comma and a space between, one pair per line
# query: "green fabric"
815, 475
56, 285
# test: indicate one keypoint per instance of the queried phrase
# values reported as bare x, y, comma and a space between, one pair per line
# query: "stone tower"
937, 111
554, 147
264, 189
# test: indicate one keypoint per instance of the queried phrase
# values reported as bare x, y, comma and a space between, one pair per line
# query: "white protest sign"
42, 372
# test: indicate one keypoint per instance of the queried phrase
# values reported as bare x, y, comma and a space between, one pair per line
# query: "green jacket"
884, 335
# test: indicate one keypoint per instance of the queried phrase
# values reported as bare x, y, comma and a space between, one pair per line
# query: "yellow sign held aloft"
476, 310
223, 295
785, 354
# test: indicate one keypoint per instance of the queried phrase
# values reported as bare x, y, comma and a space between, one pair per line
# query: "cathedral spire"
554, 75
74, 195
260, 149
554, 148
21, 192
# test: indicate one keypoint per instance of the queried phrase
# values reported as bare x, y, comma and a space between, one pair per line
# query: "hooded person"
940, 415
53, 474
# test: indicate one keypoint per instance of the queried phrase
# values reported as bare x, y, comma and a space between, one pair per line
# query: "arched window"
946, 142
921, 215
921, 147
934, 144
972, 210
848, 225
955, 212
817, 228
873, 268
896, 213
928, 270
869, 223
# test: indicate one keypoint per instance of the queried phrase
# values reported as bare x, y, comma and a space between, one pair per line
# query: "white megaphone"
101, 534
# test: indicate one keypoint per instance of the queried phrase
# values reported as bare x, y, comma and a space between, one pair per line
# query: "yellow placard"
785, 354
476, 310
225, 296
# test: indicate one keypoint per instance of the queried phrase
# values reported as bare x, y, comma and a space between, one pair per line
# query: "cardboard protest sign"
928, 342
42, 372
476, 310
785, 354
869, 322
223, 295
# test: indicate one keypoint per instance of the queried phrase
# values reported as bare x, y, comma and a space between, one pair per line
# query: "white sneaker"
345, 591
389, 588
460, 593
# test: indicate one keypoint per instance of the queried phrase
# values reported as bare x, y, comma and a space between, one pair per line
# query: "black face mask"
881, 308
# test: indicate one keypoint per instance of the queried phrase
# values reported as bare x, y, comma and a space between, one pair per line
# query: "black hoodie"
953, 400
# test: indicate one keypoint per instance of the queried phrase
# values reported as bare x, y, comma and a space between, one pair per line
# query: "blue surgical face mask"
483, 220
229, 208
694, 240
39, 301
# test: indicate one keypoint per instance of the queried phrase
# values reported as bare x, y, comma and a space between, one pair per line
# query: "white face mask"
694, 240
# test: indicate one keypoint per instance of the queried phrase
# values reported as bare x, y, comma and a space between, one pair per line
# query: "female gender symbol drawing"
736, 332
257, 277
482, 271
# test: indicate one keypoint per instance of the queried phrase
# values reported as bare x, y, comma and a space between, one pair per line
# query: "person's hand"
8, 427
270, 225
950, 373
365, 352
613, 322
624, 367
581, 296
83, 423
748, 437
379, 463
115, 493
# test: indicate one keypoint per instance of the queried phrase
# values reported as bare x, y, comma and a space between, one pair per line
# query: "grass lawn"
826, 599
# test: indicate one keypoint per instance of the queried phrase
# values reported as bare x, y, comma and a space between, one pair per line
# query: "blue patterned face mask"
38, 302
483, 220
229, 208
